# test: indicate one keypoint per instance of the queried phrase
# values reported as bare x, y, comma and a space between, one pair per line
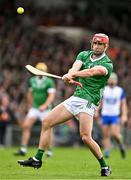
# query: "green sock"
102, 162
39, 154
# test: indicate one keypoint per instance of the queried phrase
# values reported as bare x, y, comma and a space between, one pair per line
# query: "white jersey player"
114, 113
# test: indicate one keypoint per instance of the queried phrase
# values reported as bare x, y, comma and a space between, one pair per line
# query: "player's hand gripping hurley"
38, 72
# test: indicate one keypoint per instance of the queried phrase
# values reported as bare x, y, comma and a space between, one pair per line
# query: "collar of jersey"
97, 58
43, 78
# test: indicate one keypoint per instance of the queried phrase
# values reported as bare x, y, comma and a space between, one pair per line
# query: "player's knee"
45, 124
25, 126
106, 136
115, 135
86, 138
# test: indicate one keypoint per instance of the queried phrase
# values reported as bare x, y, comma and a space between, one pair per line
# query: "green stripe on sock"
39, 154
102, 162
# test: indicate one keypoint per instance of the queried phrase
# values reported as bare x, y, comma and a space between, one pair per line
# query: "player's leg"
27, 124
27, 130
106, 121
106, 140
58, 115
42, 116
26, 133
49, 152
86, 125
115, 129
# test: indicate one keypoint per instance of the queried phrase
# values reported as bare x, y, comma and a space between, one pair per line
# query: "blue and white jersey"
111, 102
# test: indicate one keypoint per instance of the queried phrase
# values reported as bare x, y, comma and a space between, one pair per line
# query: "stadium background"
54, 31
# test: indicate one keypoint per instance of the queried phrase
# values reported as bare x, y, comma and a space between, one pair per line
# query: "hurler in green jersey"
41, 95
92, 69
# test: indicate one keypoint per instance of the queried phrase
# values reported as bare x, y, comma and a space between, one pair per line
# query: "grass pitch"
67, 163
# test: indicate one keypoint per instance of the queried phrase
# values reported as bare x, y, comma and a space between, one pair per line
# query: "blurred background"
54, 31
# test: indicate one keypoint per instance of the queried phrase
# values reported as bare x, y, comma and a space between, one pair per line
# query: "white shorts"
76, 105
35, 113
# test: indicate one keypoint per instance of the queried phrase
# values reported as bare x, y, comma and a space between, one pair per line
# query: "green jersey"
40, 89
93, 86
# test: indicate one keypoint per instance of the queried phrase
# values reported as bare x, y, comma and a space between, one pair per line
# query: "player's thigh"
106, 131
86, 123
115, 129
58, 115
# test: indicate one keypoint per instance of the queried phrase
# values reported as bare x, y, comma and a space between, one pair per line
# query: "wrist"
74, 74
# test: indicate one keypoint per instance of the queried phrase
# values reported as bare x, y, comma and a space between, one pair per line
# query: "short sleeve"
108, 66
51, 84
82, 56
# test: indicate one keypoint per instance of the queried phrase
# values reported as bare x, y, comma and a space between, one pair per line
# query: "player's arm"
29, 98
124, 111
29, 95
75, 67
49, 100
95, 71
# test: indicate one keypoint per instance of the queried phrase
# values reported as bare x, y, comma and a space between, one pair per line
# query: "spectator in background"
6, 116
113, 114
